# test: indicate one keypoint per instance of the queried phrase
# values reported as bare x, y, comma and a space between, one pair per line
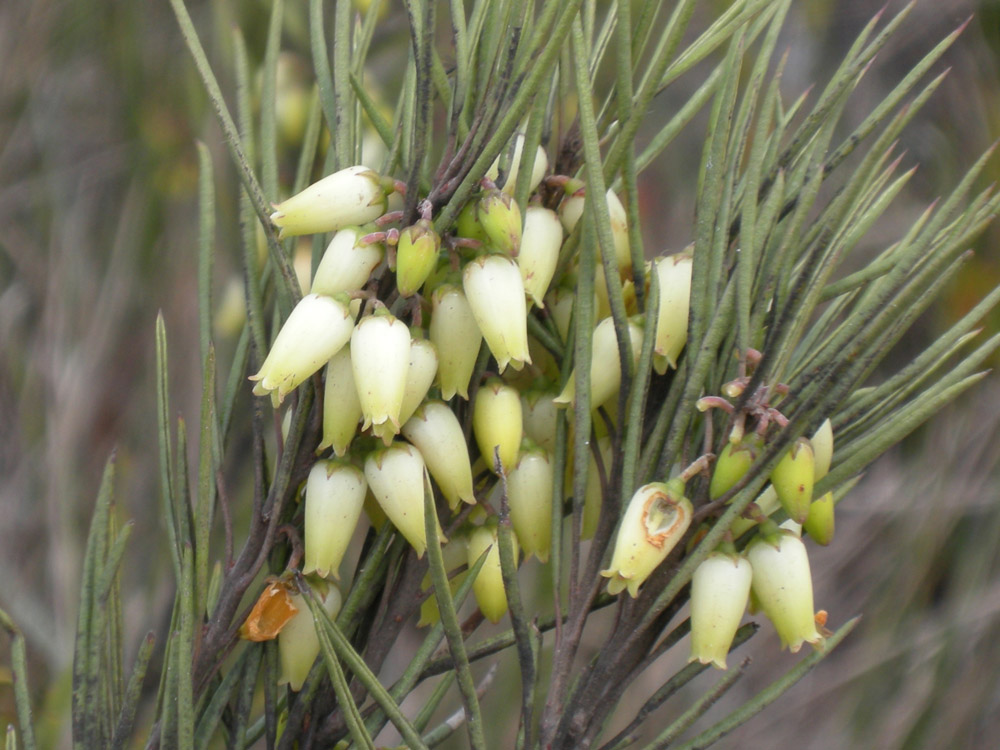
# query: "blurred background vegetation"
100, 111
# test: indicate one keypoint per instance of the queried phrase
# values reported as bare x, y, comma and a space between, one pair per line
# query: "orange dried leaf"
270, 614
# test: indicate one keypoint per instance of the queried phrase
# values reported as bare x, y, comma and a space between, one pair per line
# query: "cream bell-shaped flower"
529, 494
347, 264
335, 494
455, 334
720, 587
605, 364
497, 423
495, 292
316, 329
298, 643
488, 587
571, 209
540, 243
355, 195
538, 167
341, 405
398, 479
380, 356
436, 432
674, 276
656, 519
782, 587
419, 376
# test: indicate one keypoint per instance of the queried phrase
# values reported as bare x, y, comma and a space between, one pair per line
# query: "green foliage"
780, 279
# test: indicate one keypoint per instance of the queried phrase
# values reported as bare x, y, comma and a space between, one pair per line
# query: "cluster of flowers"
396, 385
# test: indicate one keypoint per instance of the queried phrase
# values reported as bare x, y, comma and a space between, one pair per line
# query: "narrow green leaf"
206, 246
133, 692
207, 468
22, 697
268, 102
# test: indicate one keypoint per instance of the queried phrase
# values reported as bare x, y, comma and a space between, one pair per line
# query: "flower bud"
719, 590
605, 364
793, 480
495, 293
380, 356
436, 432
298, 643
488, 586
419, 376
346, 265
538, 167
538, 412
416, 256
500, 219
782, 586
656, 519
341, 405
674, 276
397, 478
822, 445
529, 494
316, 329
540, 244
335, 493
467, 223
351, 196
455, 334
496, 422
732, 464
819, 525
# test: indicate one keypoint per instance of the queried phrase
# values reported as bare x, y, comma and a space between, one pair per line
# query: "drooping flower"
335, 494
719, 590
398, 479
782, 587
605, 364
496, 423
380, 357
495, 292
539, 167
436, 431
529, 494
656, 519
488, 587
540, 243
419, 376
347, 264
298, 643
352, 196
455, 334
316, 329
341, 405
674, 277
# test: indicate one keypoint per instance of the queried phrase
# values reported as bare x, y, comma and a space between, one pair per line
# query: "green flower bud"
540, 244
436, 431
298, 644
416, 256
538, 167
732, 464
315, 330
349, 197
605, 364
380, 356
529, 494
782, 586
819, 525
346, 265
719, 590
467, 224
455, 334
398, 479
500, 219
497, 423
495, 292
674, 276
488, 587
656, 519
335, 493
341, 405
793, 480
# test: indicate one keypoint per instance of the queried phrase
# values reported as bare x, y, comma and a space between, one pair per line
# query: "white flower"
455, 335
398, 479
540, 243
380, 356
674, 276
495, 292
351, 196
335, 493
435, 431
720, 588
315, 330
346, 265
